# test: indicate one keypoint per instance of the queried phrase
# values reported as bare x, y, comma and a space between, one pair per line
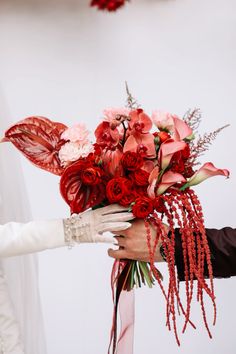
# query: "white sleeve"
10, 339
17, 239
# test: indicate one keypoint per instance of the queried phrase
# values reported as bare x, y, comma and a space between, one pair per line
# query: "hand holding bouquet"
146, 163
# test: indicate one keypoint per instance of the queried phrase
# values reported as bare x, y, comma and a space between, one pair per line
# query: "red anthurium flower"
39, 140
82, 185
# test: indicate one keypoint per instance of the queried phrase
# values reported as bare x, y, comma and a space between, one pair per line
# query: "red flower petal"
77, 195
39, 139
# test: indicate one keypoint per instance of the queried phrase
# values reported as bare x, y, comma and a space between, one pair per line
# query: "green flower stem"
143, 266
186, 185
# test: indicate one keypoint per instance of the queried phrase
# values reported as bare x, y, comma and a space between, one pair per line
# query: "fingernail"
127, 226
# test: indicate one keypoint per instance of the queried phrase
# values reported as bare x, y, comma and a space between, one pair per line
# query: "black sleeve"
222, 245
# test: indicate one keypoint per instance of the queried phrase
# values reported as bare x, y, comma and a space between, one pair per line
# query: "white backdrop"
68, 62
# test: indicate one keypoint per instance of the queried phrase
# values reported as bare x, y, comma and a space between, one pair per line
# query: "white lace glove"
89, 226
17, 239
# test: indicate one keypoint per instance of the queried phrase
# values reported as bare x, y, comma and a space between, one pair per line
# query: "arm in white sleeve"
10, 338
88, 227
17, 239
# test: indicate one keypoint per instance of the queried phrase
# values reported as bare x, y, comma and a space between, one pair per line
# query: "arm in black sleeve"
222, 245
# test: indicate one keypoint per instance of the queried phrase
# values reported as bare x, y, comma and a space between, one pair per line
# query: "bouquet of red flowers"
147, 163
108, 5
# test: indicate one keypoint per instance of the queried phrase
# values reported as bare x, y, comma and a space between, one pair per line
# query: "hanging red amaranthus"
147, 164
109, 5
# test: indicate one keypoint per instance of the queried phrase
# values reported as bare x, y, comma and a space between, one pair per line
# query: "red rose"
117, 188
91, 176
186, 152
141, 191
178, 167
131, 161
143, 207
140, 177
78, 195
159, 205
128, 198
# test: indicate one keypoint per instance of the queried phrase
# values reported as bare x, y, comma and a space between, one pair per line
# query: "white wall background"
67, 62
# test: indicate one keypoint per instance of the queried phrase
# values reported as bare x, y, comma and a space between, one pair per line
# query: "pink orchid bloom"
106, 136
111, 114
139, 122
141, 142
169, 179
179, 129
206, 171
167, 150
153, 182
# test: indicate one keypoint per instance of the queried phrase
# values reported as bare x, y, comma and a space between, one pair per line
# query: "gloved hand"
89, 226
17, 239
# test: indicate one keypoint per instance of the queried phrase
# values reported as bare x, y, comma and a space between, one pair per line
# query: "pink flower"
111, 114
163, 120
140, 122
71, 152
153, 182
76, 133
169, 179
106, 136
139, 139
112, 162
167, 150
141, 142
206, 171
166, 121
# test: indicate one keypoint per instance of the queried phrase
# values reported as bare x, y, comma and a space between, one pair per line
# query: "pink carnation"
71, 152
77, 133
110, 114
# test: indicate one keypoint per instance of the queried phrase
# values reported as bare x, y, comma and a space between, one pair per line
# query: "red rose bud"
91, 176
140, 177
117, 188
142, 208
163, 136
131, 161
